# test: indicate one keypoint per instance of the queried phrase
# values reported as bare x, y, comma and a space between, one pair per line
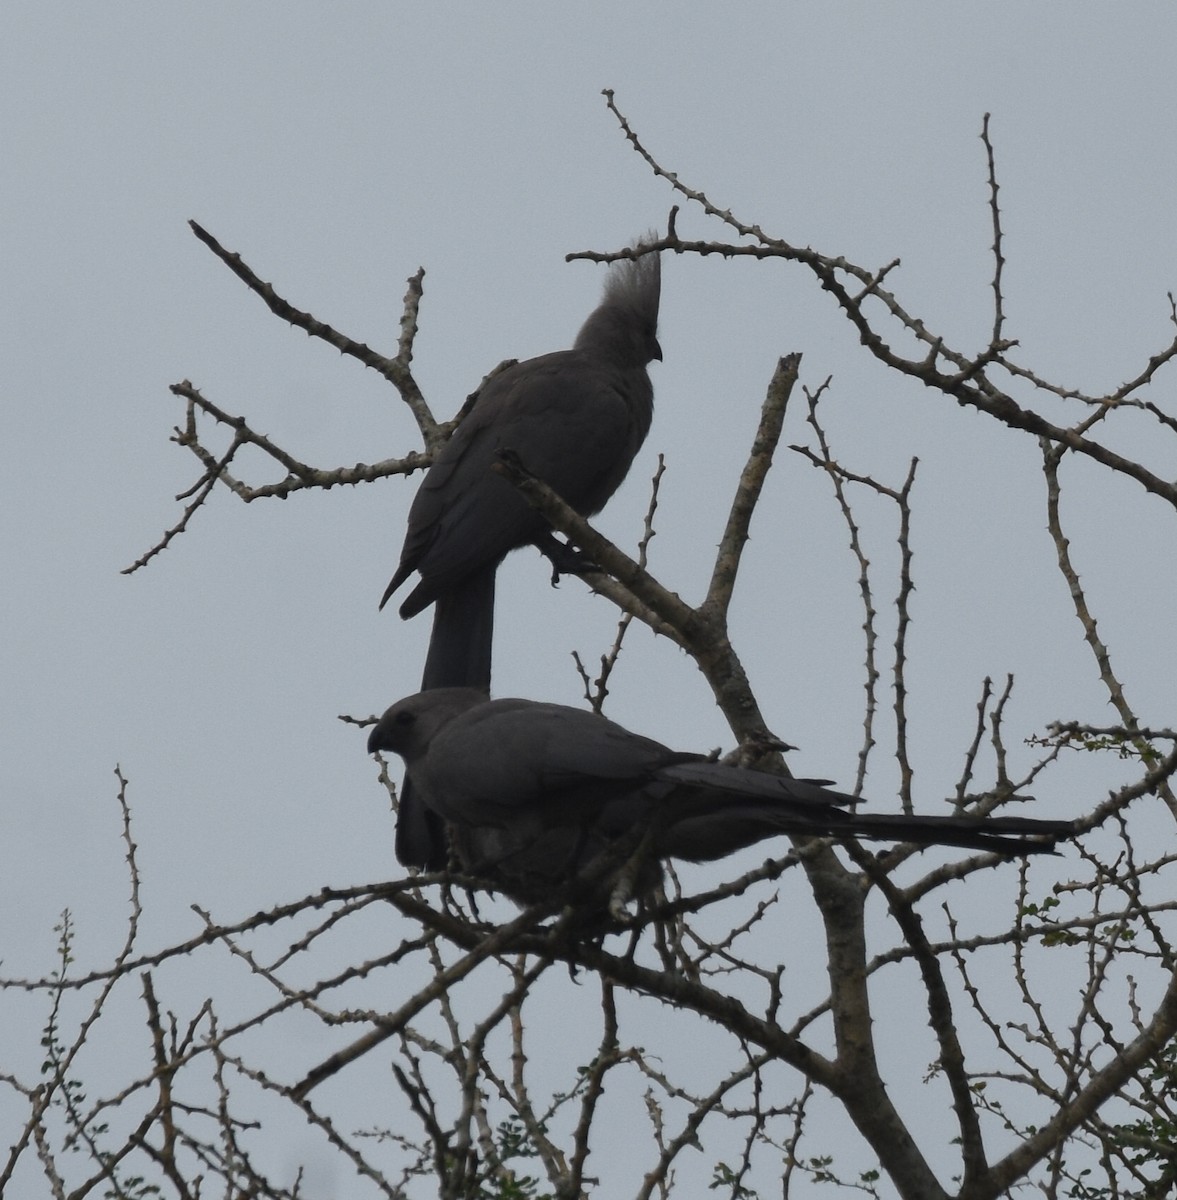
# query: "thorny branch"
396, 369
965, 378
597, 690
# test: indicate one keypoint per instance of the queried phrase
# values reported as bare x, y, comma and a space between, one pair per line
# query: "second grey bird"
576, 419
533, 793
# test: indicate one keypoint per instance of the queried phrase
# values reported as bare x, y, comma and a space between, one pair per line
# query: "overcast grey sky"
339, 147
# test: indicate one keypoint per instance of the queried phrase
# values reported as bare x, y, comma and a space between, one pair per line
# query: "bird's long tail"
463, 630
713, 809
459, 655
1002, 835
704, 837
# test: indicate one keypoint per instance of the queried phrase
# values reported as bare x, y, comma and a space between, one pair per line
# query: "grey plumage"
533, 792
576, 419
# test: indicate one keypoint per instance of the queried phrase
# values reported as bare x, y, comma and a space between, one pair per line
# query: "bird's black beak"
376, 739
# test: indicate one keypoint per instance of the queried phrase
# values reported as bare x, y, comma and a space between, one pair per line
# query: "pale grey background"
340, 147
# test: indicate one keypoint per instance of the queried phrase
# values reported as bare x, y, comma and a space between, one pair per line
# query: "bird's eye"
404, 719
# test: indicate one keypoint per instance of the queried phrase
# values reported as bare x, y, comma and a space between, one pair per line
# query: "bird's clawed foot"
565, 559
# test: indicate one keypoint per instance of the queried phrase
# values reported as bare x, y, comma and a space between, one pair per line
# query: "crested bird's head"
624, 326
